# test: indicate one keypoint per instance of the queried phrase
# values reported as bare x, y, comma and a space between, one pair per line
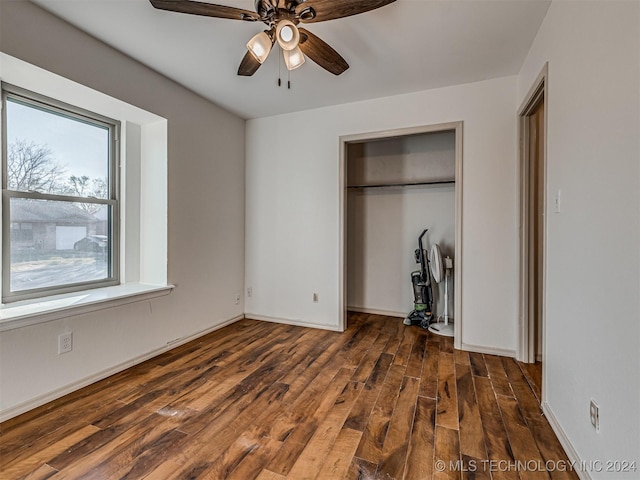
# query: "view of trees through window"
60, 204
33, 168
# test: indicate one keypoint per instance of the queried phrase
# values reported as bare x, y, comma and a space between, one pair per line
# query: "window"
135, 255
60, 205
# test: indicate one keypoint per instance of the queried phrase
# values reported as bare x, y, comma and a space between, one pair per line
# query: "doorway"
399, 182
533, 231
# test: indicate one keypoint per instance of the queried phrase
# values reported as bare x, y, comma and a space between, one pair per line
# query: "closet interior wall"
384, 222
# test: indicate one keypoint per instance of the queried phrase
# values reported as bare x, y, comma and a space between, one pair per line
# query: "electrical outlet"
237, 299
65, 342
558, 201
594, 415
249, 291
315, 297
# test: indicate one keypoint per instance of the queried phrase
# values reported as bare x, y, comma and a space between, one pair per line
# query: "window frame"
48, 104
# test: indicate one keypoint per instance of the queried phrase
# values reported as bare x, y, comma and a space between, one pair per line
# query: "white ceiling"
407, 46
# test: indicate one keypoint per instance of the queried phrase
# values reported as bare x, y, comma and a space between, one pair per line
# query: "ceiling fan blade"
320, 52
205, 9
249, 65
332, 9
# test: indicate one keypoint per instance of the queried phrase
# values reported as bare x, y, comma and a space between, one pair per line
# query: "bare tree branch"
86, 187
31, 167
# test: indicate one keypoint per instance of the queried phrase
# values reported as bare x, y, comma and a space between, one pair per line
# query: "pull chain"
279, 62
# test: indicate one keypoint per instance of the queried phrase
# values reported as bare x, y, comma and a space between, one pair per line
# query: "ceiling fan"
282, 17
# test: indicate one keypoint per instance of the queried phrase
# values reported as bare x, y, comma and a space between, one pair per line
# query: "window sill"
47, 309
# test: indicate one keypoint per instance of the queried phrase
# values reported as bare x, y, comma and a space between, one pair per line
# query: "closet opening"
394, 185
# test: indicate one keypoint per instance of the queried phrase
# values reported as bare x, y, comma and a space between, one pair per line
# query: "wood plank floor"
533, 374
264, 401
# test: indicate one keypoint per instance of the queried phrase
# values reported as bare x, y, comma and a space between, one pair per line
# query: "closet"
395, 188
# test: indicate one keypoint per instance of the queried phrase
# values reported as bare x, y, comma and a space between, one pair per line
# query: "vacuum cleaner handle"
422, 258
420, 251
420, 237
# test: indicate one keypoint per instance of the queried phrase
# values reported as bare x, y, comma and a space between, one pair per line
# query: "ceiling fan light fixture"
260, 46
287, 35
293, 58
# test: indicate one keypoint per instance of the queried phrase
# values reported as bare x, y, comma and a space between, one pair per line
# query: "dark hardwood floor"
268, 401
533, 374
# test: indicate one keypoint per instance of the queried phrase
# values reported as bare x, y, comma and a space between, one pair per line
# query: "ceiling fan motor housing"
266, 8
272, 11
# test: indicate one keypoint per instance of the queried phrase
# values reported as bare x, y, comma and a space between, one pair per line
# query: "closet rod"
385, 185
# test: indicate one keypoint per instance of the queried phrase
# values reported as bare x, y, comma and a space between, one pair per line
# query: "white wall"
383, 224
593, 256
206, 219
293, 216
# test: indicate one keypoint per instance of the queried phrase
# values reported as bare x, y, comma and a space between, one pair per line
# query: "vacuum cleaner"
422, 313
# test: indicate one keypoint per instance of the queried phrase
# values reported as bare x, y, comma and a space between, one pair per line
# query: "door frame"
526, 351
344, 140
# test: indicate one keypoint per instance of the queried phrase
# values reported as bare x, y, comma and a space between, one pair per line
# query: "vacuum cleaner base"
418, 317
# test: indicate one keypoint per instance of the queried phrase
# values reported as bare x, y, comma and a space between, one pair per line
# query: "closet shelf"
412, 184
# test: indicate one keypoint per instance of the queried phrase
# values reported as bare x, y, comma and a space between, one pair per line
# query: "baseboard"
572, 455
503, 352
374, 311
290, 321
61, 392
